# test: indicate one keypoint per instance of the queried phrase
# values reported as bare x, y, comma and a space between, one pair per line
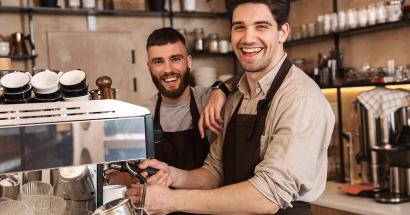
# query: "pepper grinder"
104, 85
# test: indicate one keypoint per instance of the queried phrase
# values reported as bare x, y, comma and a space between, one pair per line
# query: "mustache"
169, 75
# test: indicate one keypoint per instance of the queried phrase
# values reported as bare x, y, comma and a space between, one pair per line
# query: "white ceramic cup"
15, 80
223, 46
73, 80
394, 12
190, 5
4, 48
80, 98
112, 192
46, 82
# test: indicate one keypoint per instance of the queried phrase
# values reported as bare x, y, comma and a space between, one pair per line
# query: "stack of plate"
204, 76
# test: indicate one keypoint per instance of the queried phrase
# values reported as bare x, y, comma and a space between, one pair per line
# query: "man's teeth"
246, 50
170, 79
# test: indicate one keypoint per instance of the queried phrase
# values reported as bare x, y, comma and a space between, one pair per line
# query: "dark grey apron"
241, 151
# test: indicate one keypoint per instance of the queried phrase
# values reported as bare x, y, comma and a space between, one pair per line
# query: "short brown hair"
279, 8
163, 36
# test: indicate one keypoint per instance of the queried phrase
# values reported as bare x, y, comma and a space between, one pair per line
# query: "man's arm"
241, 198
211, 113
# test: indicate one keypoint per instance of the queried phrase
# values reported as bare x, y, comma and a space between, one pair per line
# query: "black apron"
182, 149
241, 151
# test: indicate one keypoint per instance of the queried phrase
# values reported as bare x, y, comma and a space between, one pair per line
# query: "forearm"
242, 198
199, 178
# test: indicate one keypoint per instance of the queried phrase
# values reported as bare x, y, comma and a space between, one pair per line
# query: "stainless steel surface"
53, 135
76, 183
31, 176
391, 198
398, 183
116, 207
10, 186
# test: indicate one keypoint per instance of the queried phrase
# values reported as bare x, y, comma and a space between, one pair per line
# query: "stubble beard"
173, 94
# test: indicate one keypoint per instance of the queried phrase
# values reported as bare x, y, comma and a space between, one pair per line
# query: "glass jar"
185, 34
199, 41
213, 43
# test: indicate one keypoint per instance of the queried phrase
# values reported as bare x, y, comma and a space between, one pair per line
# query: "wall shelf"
21, 57
366, 84
201, 14
351, 32
208, 54
68, 11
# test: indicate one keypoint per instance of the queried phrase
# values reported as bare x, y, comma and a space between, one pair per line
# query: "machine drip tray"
391, 198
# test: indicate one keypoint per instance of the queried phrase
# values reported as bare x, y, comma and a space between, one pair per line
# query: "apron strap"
264, 104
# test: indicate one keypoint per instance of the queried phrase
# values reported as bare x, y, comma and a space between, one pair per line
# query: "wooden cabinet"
319, 210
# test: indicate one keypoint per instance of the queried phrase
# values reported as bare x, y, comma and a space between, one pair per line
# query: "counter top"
336, 199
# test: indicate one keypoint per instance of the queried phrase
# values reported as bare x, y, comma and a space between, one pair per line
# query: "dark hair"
163, 36
279, 8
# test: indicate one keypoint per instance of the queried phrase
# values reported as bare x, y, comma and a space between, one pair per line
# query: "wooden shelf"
365, 84
351, 32
19, 57
68, 11
201, 14
208, 54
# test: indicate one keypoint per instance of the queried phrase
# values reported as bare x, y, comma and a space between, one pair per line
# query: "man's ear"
283, 33
149, 68
189, 59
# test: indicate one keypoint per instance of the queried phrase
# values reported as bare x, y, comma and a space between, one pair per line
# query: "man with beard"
271, 156
176, 107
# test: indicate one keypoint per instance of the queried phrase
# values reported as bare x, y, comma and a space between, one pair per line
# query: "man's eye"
176, 59
158, 62
238, 27
262, 26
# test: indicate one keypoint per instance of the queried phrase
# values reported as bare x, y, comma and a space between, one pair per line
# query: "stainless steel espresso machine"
67, 144
384, 154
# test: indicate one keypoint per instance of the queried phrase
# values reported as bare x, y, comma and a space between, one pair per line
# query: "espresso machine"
384, 136
67, 144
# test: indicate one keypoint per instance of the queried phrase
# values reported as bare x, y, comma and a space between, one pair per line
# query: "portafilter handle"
104, 85
122, 167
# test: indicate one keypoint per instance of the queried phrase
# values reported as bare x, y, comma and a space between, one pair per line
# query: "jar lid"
181, 30
213, 36
199, 30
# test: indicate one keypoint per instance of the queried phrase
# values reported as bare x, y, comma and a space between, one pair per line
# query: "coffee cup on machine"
46, 82
73, 80
16, 82
112, 192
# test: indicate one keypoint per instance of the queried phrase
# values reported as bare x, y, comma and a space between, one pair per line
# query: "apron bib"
241, 151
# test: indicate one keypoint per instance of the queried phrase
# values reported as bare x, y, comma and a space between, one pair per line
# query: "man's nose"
249, 36
168, 66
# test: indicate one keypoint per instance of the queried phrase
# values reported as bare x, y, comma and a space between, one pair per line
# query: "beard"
175, 93
255, 67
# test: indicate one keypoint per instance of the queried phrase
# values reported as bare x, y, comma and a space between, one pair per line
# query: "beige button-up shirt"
294, 144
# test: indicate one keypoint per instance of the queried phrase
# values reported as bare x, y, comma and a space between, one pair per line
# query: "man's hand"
163, 176
157, 200
211, 114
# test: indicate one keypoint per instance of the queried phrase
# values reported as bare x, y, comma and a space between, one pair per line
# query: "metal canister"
10, 186
121, 206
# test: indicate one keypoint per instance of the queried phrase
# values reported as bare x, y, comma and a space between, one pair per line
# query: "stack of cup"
74, 86
16, 87
45, 85
205, 76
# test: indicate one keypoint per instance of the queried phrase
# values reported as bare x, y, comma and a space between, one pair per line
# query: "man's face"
255, 37
169, 67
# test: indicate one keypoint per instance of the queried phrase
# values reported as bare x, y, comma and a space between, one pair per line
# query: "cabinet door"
97, 54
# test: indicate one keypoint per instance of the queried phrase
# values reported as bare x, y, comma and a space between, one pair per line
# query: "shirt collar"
264, 83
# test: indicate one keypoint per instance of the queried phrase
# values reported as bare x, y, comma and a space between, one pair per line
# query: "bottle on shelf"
88, 4
199, 41
213, 43
74, 4
184, 33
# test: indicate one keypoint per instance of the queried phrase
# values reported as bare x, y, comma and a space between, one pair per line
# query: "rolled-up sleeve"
294, 146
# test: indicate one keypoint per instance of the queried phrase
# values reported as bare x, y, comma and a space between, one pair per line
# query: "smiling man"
272, 155
176, 107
